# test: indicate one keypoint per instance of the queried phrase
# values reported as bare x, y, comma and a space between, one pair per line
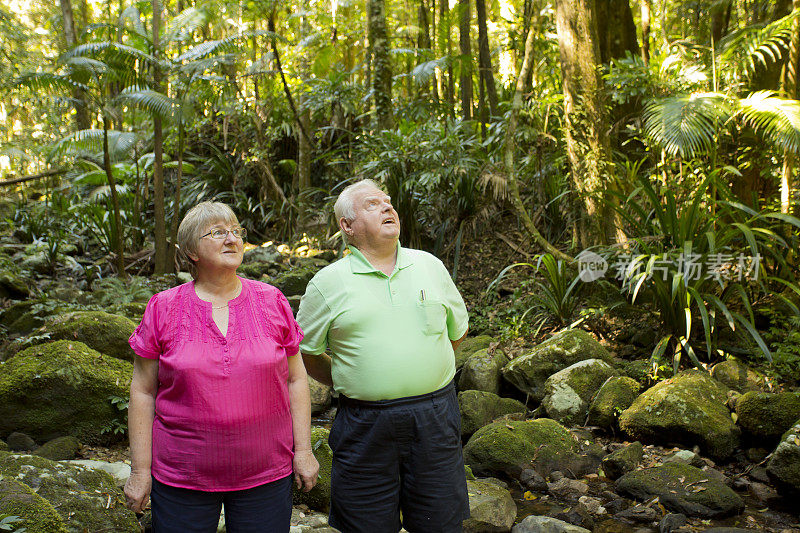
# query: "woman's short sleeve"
146, 341
288, 332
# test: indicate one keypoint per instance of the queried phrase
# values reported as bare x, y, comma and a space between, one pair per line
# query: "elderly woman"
219, 411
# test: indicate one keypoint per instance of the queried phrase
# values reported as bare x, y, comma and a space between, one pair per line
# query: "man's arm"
319, 367
457, 342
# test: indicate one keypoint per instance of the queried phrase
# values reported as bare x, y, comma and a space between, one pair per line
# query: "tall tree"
445, 49
790, 88
381, 64
160, 254
465, 78
485, 58
586, 120
82, 120
645, 16
616, 31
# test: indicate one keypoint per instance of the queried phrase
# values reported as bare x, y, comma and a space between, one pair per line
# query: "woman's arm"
306, 467
141, 411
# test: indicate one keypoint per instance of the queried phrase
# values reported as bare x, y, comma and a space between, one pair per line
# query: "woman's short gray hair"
195, 221
344, 203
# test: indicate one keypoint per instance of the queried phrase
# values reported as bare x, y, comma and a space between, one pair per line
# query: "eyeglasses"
219, 233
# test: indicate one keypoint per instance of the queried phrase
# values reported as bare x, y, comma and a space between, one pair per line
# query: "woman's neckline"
232, 302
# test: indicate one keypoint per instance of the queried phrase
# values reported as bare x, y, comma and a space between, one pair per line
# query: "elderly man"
390, 318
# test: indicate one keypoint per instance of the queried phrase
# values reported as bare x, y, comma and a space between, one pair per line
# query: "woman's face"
219, 254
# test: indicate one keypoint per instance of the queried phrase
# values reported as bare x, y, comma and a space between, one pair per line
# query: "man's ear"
345, 226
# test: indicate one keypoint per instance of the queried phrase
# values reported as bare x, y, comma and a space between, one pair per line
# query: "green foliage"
11, 523
783, 337
118, 426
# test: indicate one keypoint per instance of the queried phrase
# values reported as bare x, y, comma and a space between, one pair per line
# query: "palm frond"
686, 124
109, 51
778, 119
90, 141
743, 51
185, 23
132, 14
148, 100
425, 71
47, 81
93, 67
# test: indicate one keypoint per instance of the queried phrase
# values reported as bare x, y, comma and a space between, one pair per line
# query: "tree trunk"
118, 243
485, 58
176, 212
509, 153
720, 17
585, 117
465, 78
616, 31
381, 64
82, 121
646, 8
445, 48
423, 42
790, 88
160, 254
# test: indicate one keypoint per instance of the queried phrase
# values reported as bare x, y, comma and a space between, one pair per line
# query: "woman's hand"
306, 469
137, 491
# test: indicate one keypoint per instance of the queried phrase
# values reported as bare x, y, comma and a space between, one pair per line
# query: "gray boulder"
479, 408
59, 449
86, 500
690, 409
491, 508
614, 396
62, 388
682, 489
738, 376
569, 391
529, 372
320, 396
481, 371
545, 524
20, 442
784, 465
469, 346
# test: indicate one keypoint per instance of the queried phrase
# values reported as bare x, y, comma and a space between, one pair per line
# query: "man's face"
375, 222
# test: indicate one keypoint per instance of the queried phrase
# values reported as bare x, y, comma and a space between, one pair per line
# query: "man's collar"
360, 265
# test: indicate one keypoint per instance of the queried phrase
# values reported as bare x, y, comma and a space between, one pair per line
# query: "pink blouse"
222, 419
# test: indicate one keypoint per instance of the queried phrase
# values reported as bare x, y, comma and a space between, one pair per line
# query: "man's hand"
137, 491
306, 469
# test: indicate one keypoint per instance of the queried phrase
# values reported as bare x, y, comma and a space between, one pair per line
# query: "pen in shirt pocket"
422, 295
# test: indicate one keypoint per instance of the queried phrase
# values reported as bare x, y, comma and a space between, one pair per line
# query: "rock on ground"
18, 499
622, 461
784, 465
479, 408
510, 447
690, 409
765, 417
614, 396
59, 449
62, 388
86, 500
545, 524
481, 371
469, 346
491, 507
569, 391
529, 372
738, 376
320, 396
682, 489
319, 497
101, 331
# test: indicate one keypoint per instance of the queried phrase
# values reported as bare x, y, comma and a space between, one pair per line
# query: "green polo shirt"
388, 336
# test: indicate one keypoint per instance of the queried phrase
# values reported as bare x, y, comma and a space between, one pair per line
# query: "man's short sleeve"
457, 317
314, 317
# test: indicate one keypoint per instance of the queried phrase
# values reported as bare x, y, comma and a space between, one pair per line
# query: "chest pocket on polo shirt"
433, 316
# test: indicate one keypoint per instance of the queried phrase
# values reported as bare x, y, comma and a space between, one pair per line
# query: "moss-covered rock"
87, 500
511, 446
320, 396
318, 498
623, 460
133, 311
640, 370
738, 376
61, 388
469, 346
479, 408
256, 270
682, 489
18, 499
614, 396
765, 416
12, 286
569, 391
529, 372
690, 409
101, 331
59, 449
481, 371
21, 318
491, 508
3, 446
293, 282
784, 465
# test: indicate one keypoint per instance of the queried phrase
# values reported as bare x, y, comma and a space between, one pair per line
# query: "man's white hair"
344, 203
